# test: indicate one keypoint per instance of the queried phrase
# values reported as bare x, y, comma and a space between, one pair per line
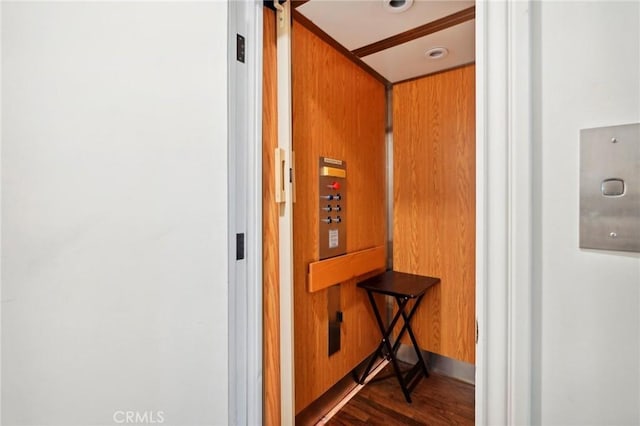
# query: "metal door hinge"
477, 331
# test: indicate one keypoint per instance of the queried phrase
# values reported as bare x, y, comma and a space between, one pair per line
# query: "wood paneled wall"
270, 265
434, 204
338, 112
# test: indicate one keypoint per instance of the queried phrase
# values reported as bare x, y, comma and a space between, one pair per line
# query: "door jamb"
245, 213
504, 213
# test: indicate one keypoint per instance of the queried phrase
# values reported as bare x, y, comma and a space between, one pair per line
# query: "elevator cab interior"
383, 131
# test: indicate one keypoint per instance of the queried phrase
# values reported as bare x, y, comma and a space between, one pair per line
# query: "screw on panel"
613, 235
614, 140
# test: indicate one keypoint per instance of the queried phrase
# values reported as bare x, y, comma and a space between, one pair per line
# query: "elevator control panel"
332, 207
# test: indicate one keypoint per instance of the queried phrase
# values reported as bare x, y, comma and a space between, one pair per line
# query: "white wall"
587, 366
114, 212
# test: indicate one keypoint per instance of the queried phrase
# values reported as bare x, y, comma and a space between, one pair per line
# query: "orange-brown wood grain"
354, 265
434, 204
338, 112
270, 248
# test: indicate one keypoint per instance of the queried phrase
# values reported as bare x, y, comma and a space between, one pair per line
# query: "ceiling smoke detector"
397, 6
437, 53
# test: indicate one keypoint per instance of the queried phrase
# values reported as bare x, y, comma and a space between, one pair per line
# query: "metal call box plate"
332, 208
610, 188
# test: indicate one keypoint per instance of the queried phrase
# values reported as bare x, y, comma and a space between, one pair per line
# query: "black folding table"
402, 287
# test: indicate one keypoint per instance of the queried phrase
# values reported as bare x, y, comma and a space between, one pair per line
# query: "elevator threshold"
331, 402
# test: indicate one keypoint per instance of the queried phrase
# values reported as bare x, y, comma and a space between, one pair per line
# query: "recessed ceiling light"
397, 6
437, 53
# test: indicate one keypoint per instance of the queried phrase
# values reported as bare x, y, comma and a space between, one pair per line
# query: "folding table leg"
406, 327
392, 349
407, 322
385, 337
402, 303
386, 332
396, 368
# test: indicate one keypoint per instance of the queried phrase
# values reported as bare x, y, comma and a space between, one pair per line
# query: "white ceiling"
358, 23
408, 60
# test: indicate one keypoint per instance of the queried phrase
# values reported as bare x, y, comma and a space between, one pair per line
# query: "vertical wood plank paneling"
271, 300
338, 112
434, 204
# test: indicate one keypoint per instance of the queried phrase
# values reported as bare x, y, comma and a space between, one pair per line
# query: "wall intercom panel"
610, 188
332, 207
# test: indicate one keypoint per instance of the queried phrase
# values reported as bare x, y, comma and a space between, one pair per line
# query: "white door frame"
503, 218
245, 213
504, 213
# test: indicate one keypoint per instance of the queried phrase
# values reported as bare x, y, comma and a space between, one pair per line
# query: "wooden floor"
437, 400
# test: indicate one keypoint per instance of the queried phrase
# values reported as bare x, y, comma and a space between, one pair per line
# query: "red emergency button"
335, 186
